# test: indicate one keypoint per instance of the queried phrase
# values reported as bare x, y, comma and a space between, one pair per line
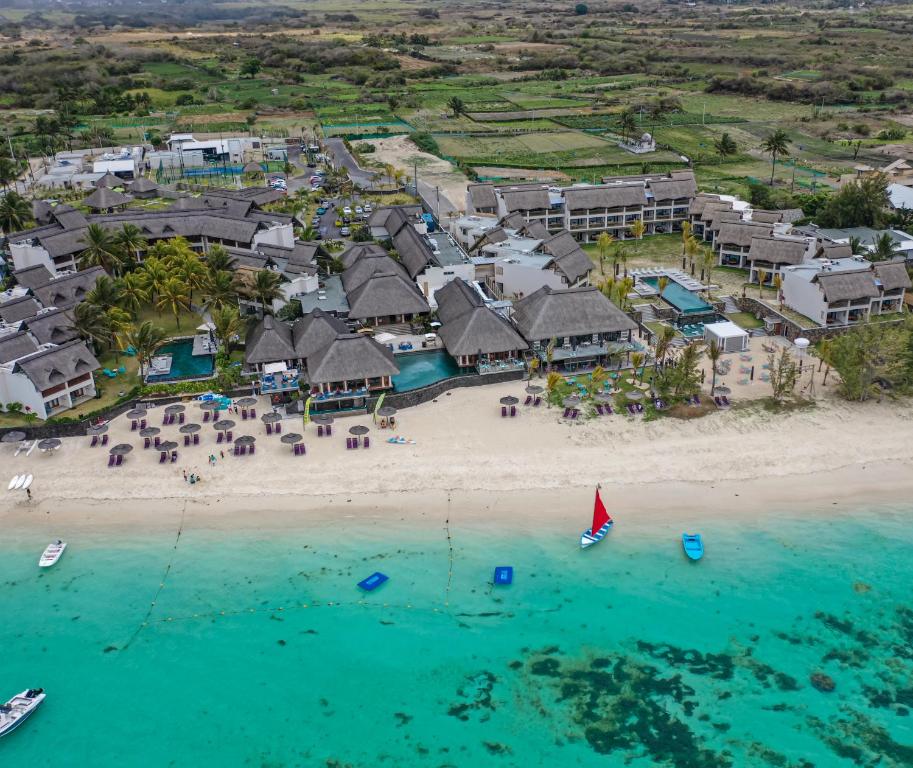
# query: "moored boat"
17, 710
52, 554
694, 545
600, 527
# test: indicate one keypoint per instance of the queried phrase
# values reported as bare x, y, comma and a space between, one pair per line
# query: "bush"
425, 142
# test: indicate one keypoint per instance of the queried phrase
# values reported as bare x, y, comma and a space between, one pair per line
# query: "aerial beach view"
456, 384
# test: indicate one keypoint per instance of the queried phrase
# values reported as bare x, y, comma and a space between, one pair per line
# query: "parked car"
368, 208
347, 211
346, 219
359, 210
338, 222
345, 231
315, 222
321, 210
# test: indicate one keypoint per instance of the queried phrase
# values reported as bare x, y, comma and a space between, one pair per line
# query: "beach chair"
111, 460
320, 430
630, 408
253, 413
599, 409
697, 400
244, 414
229, 436
221, 437
529, 400
94, 441
513, 411
719, 403
163, 457
104, 439
503, 411
252, 449
608, 410
181, 419
567, 413
196, 438
574, 414
205, 415
537, 401
142, 424
146, 443
639, 407
329, 430
725, 401
367, 442
278, 428
348, 443
174, 456
157, 441
269, 429
133, 425
118, 460
186, 440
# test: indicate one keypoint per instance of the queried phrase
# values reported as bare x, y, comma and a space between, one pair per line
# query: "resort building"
661, 201
475, 335
733, 241
349, 369
843, 292
770, 254
864, 236
379, 291
229, 218
46, 379
582, 327
386, 221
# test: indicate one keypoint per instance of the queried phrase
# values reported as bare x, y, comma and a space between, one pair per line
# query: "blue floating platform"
504, 574
373, 581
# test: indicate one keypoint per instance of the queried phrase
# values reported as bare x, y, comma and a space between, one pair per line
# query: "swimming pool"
679, 297
420, 369
184, 364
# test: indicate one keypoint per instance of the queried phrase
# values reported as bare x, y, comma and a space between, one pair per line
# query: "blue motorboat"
504, 574
694, 545
373, 581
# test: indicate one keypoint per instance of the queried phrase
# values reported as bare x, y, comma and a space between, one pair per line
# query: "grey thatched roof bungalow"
771, 254
143, 188
357, 250
481, 199
733, 242
269, 341
68, 289
349, 368
314, 331
13, 311
569, 258
585, 326
105, 199
50, 381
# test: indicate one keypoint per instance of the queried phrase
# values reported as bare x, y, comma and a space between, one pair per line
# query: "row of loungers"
164, 457
352, 443
224, 437
115, 461
270, 428
534, 402
324, 430
134, 425
251, 414
513, 411
298, 449
242, 450
193, 439
722, 402
98, 440
170, 419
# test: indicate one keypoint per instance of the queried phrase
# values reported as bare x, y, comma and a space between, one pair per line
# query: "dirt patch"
897, 150
488, 171
410, 64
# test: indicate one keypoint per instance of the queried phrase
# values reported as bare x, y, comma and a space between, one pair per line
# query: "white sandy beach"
469, 463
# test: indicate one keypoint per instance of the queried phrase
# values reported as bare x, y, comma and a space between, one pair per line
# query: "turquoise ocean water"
622, 655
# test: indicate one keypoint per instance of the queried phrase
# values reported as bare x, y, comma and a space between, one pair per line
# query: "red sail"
600, 516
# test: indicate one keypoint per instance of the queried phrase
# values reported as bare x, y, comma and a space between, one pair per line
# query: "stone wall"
425, 394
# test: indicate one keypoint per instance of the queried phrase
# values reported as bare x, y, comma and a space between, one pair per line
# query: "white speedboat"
52, 554
18, 708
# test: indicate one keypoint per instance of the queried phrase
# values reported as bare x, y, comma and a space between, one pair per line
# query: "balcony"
285, 381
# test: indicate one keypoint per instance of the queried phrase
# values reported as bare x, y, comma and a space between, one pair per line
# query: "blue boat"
694, 545
602, 522
373, 581
504, 574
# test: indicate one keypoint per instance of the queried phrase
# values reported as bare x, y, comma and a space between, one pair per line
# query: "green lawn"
167, 322
745, 320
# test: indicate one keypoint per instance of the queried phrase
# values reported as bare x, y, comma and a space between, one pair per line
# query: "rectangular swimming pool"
184, 364
681, 298
419, 369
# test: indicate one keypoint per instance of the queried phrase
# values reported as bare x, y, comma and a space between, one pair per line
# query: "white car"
359, 210
347, 211
367, 208
345, 231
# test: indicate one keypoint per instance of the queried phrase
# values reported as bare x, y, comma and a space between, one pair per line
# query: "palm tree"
778, 285
9, 170
227, 323
134, 291
145, 340
776, 145
714, 351
662, 284
129, 239
91, 323
708, 259
15, 212
762, 276
663, 345
218, 259
219, 289
885, 248
105, 294
118, 323
156, 273
532, 367
191, 270
686, 235
856, 247
265, 288
603, 242
101, 250
173, 296
725, 146
623, 255
637, 360
825, 347
692, 246
552, 382
638, 228
627, 123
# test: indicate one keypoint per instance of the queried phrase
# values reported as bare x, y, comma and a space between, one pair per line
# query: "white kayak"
16, 479
52, 554
26, 483
17, 710
20, 482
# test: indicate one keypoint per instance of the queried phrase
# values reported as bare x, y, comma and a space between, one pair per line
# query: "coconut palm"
708, 259
219, 290
885, 248
686, 235
663, 345
637, 360
173, 296
627, 124
101, 250
265, 289
603, 242
156, 273
662, 284
218, 259
105, 294
825, 347
227, 323
638, 228
90, 322
762, 276
725, 146
692, 246
552, 382
15, 212
130, 241
714, 351
118, 322
778, 285
776, 145
622, 253
532, 367
190, 269
134, 291
145, 340
856, 246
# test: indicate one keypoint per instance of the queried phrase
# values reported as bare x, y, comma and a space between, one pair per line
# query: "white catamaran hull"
587, 539
19, 709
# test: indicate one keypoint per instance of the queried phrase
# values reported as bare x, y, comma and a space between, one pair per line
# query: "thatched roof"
32, 277
570, 259
549, 313
58, 365
843, 286
269, 341
834, 251
525, 199
612, 196
383, 294
314, 331
455, 299
482, 196
103, 198
682, 185
109, 180
740, 234
16, 345
776, 250
143, 184
369, 265
18, 309
354, 252
55, 327
892, 275
535, 230
480, 329
414, 252
350, 357
68, 289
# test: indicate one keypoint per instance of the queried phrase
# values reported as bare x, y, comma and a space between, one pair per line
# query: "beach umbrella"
572, 401
271, 418
189, 429
533, 389
210, 405
290, 438
98, 429
509, 400
604, 397
149, 432
322, 419
245, 440
121, 449
49, 444
634, 394
224, 425
358, 430
13, 437
722, 389
175, 408
136, 413
387, 411
246, 401
168, 445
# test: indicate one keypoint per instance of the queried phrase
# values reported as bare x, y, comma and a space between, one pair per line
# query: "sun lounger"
186, 440
104, 439
320, 430
329, 430
205, 415
133, 425
367, 442
725, 401
567, 413
94, 441
181, 418
630, 408
111, 460
220, 437
142, 424
118, 460
608, 410
157, 441
639, 408
229, 436
278, 429
719, 403
513, 411
196, 438
599, 408
146, 442
253, 413
174, 456
252, 449
574, 414
529, 399
269, 429
503, 411
244, 414
163, 457
537, 401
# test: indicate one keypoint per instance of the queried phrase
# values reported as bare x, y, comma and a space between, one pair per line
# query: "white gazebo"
728, 336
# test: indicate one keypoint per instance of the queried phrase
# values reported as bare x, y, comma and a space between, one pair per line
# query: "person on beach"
222, 454
28, 492
185, 475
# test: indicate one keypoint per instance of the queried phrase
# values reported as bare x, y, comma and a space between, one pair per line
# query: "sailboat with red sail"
601, 524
